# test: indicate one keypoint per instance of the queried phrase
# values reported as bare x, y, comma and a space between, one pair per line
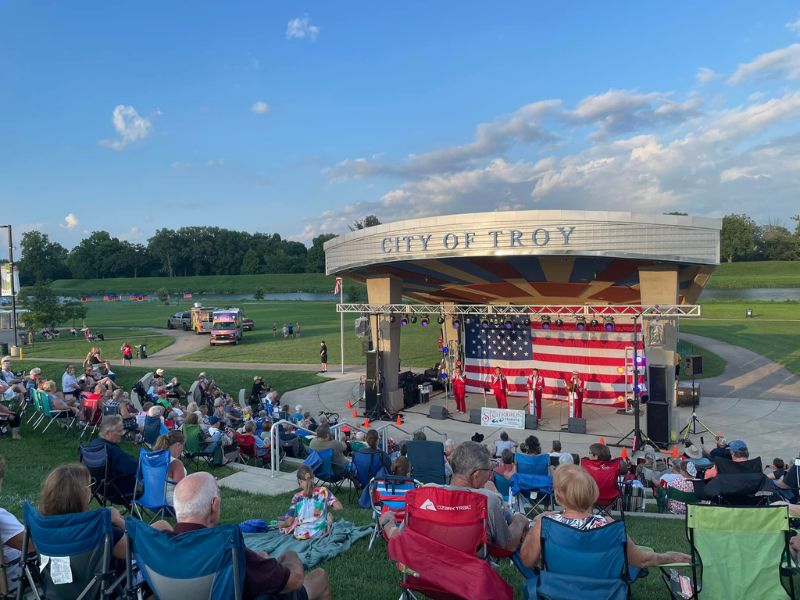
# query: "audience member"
372, 448
532, 445
308, 515
599, 452
57, 403
401, 467
198, 505
506, 468
324, 441
504, 443
11, 537
682, 482
721, 450
739, 453
556, 451
174, 442
12, 419
69, 385
121, 465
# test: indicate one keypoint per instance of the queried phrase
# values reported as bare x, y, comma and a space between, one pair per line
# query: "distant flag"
338, 287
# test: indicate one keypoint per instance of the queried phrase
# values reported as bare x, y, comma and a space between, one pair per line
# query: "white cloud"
215, 163
180, 165
705, 75
260, 108
301, 28
794, 26
130, 126
783, 63
70, 222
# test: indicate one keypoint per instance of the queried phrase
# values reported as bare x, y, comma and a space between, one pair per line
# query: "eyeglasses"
489, 469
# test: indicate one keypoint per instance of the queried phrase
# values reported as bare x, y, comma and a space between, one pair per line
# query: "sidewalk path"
747, 374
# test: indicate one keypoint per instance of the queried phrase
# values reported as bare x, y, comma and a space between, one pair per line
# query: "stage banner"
5, 280
502, 417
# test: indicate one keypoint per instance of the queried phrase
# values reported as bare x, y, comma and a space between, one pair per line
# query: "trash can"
424, 392
143, 351
14, 351
3, 349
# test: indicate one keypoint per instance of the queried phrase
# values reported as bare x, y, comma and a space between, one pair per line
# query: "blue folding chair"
427, 461
532, 483
153, 427
152, 474
326, 474
366, 465
591, 564
74, 555
211, 565
389, 494
104, 487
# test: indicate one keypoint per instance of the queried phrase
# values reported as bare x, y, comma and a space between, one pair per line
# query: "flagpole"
341, 323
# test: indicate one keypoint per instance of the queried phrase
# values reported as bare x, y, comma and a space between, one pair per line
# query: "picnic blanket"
311, 552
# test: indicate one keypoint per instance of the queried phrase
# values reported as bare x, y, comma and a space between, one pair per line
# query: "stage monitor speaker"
372, 387
658, 423
576, 425
530, 422
694, 365
438, 412
475, 416
657, 379
684, 397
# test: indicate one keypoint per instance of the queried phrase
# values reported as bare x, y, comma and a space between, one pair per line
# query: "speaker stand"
691, 427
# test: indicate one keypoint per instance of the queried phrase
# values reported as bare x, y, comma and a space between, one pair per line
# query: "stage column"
660, 285
387, 290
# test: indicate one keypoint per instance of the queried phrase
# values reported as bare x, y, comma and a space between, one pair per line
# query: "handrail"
275, 446
337, 429
436, 431
385, 439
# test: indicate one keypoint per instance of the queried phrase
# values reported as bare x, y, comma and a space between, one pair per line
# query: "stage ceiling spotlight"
404, 321
594, 323
485, 324
545, 322
580, 323
468, 320
413, 318
424, 321
527, 322
608, 323
456, 323
392, 319
559, 322
509, 324
440, 319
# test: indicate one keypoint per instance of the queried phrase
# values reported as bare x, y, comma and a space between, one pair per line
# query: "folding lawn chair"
211, 565
248, 451
606, 474
91, 414
325, 472
365, 465
152, 474
437, 549
104, 488
388, 493
737, 484
194, 449
587, 564
53, 414
427, 461
74, 555
532, 483
737, 552
152, 429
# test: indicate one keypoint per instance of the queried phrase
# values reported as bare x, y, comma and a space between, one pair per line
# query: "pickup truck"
180, 319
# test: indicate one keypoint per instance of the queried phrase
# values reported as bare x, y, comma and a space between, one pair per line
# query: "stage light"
445, 350
440, 320
509, 324
639, 359
527, 322
456, 323
468, 321
444, 375
392, 319
559, 322
404, 321
545, 322
608, 323
413, 318
424, 321
580, 323
594, 323
484, 324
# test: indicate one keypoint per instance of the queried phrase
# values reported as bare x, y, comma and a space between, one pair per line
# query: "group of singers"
534, 384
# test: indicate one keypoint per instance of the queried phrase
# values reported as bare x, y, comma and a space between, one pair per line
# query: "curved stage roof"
549, 257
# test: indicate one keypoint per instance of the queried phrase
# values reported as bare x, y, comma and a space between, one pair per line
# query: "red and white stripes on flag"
598, 355
338, 287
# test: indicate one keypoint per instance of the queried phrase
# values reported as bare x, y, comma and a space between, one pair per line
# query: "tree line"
742, 239
186, 251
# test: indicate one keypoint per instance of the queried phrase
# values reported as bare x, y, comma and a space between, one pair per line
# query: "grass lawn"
73, 347
362, 574
774, 330
713, 364
765, 274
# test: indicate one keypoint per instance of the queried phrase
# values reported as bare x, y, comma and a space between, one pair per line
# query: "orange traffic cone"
399, 420
602, 440
674, 451
349, 404
624, 453
355, 413
366, 423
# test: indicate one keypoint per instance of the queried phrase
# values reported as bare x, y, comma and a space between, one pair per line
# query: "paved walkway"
747, 374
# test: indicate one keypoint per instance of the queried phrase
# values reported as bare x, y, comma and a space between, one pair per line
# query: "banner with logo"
503, 417
5, 280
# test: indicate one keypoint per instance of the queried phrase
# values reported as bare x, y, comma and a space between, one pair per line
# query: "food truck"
226, 327
202, 318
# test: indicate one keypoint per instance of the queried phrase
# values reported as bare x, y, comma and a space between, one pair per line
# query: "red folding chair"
438, 549
247, 450
91, 413
606, 475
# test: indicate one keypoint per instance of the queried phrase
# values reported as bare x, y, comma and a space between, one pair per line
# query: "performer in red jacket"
499, 386
460, 390
575, 389
535, 384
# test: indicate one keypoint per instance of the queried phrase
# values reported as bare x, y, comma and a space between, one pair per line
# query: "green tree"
41, 260
74, 311
251, 263
165, 247
97, 256
259, 295
778, 243
163, 295
738, 238
315, 260
45, 310
368, 221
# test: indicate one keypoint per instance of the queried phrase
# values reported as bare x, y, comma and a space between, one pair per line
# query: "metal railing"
436, 431
275, 446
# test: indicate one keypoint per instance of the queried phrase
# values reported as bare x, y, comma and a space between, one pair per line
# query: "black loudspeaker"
530, 421
576, 425
372, 387
475, 416
438, 412
694, 365
657, 379
658, 423
684, 397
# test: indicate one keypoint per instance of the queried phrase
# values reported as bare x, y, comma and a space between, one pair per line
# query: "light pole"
13, 291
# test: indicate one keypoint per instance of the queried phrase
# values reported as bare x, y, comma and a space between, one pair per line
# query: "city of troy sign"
498, 238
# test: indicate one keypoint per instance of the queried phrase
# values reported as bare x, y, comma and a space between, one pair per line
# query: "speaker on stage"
694, 365
684, 397
530, 421
575, 425
438, 412
475, 416
372, 398
659, 409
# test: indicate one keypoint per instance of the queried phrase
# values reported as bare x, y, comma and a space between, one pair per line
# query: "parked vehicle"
226, 327
247, 323
202, 319
181, 320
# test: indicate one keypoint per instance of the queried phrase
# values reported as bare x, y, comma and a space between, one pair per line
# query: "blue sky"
302, 117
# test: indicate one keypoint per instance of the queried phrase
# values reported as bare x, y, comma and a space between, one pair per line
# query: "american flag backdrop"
598, 355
